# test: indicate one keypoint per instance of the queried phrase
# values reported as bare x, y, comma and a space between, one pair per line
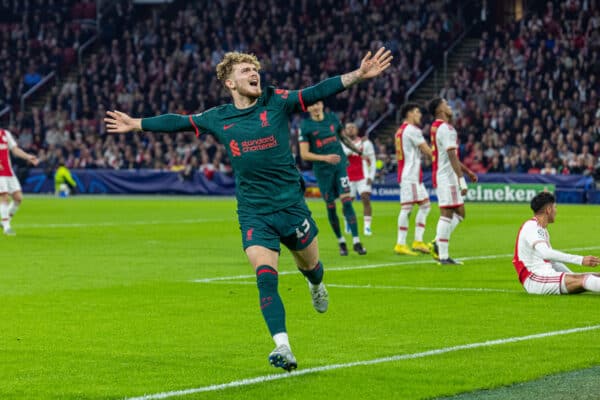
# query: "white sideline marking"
165, 222
422, 288
373, 266
419, 288
399, 357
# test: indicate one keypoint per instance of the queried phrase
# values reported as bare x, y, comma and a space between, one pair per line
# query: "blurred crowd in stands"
38, 37
148, 64
527, 101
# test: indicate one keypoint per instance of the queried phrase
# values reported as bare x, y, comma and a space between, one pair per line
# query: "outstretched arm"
370, 67
548, 253
119, 122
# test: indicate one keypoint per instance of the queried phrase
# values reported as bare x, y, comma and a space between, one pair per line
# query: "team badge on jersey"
235, 148
264, 119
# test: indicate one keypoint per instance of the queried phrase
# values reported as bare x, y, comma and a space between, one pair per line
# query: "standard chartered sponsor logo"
507, 193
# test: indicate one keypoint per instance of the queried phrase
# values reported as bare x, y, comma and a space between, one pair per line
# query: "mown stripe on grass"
331, 367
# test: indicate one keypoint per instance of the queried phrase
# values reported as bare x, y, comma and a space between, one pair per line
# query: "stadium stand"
37, 38
147, 66
528, 100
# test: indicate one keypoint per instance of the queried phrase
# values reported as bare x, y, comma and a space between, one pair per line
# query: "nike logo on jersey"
225, 127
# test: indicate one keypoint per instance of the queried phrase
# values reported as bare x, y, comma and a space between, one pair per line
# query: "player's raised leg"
308, 263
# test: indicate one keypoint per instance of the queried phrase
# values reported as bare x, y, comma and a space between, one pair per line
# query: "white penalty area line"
331, 367
374, 266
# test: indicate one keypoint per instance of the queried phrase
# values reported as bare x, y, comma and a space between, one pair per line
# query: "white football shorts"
548, 283
9, 184
411, 193
359, 187
449, 196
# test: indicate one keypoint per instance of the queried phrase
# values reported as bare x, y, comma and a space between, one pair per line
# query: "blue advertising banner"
568, 188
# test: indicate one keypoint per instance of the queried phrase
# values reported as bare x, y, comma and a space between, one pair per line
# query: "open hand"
118, 122
372, 66
590, 261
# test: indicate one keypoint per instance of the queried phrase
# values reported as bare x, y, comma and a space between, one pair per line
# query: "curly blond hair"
225, 67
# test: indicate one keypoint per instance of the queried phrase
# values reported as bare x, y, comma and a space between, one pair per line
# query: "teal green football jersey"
257, 143
323, 137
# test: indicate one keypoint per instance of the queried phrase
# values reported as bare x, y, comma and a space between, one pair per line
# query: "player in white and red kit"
361, 172
410, 144
9, 184
539, 267
448, 179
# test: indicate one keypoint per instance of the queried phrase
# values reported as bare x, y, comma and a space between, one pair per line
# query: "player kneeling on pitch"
540, 268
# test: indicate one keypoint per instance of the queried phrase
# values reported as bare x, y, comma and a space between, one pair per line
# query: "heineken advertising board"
480, 192
505, 192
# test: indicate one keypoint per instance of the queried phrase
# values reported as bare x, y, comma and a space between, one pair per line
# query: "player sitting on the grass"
9, 184
271, 205
410, 144
540, 268
319, 138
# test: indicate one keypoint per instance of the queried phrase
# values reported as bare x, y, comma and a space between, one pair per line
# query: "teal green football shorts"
292, 226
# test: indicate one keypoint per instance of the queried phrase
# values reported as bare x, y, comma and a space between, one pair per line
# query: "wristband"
462, 183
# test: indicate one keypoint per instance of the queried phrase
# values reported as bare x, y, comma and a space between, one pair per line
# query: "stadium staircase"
40, 99
430, 87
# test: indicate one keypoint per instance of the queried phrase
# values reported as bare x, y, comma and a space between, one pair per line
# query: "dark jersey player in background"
319, 138
271, 206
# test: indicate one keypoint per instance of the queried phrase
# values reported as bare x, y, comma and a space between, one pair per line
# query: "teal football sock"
270, 301
333, 219
315, 275
350, 216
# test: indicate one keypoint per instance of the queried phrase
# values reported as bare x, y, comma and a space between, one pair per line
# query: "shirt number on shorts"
345, 182
303, 230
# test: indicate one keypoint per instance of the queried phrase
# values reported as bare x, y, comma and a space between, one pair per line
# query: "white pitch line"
373, 266
418, 288
330, 367
421, 288
82, 225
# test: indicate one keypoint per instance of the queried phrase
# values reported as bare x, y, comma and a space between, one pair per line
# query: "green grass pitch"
98, 300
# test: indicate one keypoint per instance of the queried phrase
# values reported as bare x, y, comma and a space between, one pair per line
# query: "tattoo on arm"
351, 78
